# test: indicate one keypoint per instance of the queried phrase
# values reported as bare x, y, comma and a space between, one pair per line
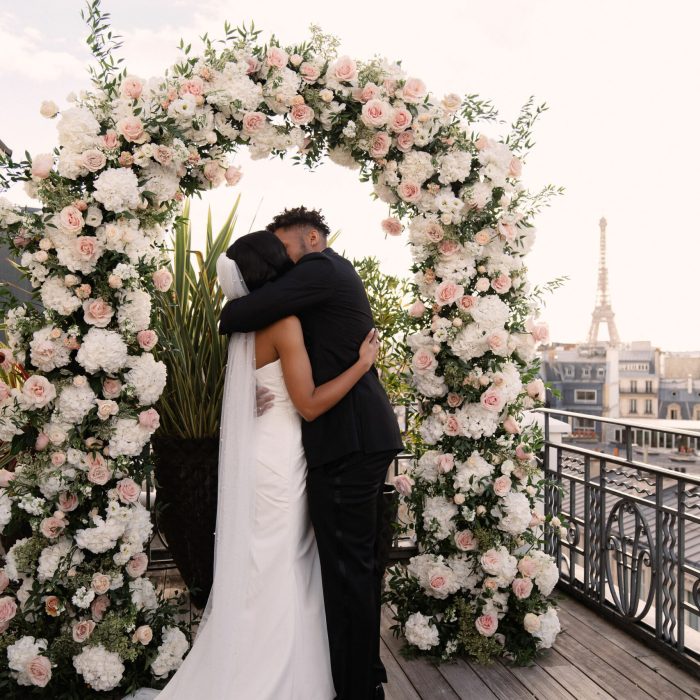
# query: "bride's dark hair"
261, 258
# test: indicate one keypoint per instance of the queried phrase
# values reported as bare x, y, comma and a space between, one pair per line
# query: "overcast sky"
620, 79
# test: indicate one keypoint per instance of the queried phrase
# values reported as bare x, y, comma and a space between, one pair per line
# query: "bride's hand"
370, 348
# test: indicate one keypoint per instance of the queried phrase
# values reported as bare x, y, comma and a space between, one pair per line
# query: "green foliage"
187, 323
103, 45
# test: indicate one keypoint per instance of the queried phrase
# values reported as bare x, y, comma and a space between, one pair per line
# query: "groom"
348, 449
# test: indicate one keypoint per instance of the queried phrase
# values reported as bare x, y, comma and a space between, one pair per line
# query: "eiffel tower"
603, 313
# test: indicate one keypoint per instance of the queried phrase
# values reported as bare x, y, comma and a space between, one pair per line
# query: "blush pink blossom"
486, 625
192, 86
86, 247
4, 580
99, 606
233, 175
147, 339
405, 141
492, 400
302, 114
466, 303
410, 191
451, 426
215, 173
70, 219
448, 248
522, 453
392, 226
536, 389
522, 587
131, 87
375, 113
380, 144
137, 565
400, 120
309, 72
483, 237
501, 284
446, 463
52, 527
128, 490
527, 566
99, 473
97, 312
111, 388
424, 361
67, 501
42, 165
417, 309
143, 635
516, 167
414, 90
454, 400
82, 630
276, 57
448, 293
162, 279
6, 477
507, 231
437, 582
511, 426
403, 484
253, 122
253, 65
131, 128
110, 140
93, 160
149, 419
344, 69
465, 541
434, 231
38, 670
502, 485
8, 608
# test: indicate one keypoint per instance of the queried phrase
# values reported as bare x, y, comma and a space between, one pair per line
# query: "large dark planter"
186, 481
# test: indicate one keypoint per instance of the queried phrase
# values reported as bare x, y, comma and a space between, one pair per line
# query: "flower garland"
73, 596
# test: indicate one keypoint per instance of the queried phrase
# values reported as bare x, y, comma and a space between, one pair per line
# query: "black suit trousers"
345, 503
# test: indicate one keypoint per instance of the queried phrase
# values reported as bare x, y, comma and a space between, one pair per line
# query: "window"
600, 372
633, 386
633, 405
585, 373
585, 396
649, 388
568, 371
584, 424
648, 408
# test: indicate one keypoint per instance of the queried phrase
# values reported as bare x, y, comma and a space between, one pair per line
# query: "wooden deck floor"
591, 659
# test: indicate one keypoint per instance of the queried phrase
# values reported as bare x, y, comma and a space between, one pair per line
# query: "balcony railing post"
681, 566
602, 551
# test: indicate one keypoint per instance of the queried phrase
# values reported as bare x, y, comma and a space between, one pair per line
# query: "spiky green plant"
187, 327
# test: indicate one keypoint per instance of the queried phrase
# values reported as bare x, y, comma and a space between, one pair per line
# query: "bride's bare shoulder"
285, 330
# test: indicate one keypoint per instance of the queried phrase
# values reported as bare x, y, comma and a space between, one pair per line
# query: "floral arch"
75, 607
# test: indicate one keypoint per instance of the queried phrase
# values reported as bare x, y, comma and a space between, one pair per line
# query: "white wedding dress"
263, 634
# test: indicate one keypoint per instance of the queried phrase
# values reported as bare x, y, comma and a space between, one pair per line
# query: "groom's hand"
264, 399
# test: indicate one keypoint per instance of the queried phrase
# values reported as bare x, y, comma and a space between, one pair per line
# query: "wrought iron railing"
633, 546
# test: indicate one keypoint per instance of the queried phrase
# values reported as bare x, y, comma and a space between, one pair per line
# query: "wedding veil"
210, 667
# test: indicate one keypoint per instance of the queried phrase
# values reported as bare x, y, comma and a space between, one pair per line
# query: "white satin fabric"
263, 634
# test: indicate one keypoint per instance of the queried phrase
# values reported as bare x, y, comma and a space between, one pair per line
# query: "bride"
263, 633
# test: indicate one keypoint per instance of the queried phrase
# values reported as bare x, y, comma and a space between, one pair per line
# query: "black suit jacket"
326, 293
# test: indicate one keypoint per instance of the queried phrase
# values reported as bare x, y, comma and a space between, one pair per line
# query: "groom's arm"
307, 284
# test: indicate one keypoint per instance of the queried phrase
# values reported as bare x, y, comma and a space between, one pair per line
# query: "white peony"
517, 514
162, 182
101, 669
143, 594
549, 628
102, 350
490, 312
468, 474
421, 632
454, 166
77, 129
469, 343
117, 189
417, 166
5, 509
148, 377
170, 652
56, 554
101, 538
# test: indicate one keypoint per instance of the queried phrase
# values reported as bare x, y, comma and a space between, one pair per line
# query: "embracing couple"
294, 611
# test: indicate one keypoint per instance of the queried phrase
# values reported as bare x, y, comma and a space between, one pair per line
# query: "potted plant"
186, 445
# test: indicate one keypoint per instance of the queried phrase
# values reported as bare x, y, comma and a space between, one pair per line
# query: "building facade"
639, 381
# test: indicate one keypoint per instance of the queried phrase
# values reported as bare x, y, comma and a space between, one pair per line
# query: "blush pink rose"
233, 175
448, 293
527, 566
536, 389
52, 527
451, 426
137, 565
367, 93
492, 400
131, 87
302, 114
5, 392
111, 388
511, 426
67, 501
38, 670
163, 154
501, 485
465, 541
417, 309
482, 284
483, 237
410, 191
93, 160
82, 630
498, 342
215, 173
434, 231
39, 391
424, 361
42, 165
486, 625
4, 580
392, 226
98, 607
405, 141
100, 583
99, 473
507, 231
539, 332
192, 86
446, 463
128, 491
403, 484
7, 359
451, 102
147, 339
516, 167
448, 248
86, 247
97, 312
8, 608
437, 582
375, 113
501, 284
253, 122
149, 419
253, 65
110, 140
162, 279
380, 144
400, 120
522, 453
143, 635
522, 587
131, 128
70, 219
454, 400
276, 57
344, 69
414, 90
309, 72
5, 478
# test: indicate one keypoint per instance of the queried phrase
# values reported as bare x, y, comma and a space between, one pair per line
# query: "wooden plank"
425, 678
590, 675
561, 668
465, 681
656, 674
501, 682
399, 686
542, 684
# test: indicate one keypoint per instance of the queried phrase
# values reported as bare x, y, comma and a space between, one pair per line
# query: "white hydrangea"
47, 353
148, 377
233, 92
432, 429
77, 129
429, 384
134, 313
5, 509
55, 554
421, 632
417, 166
476, 422
170, 652
143, 594
427, 466
102, 537
101, 669
74, 403
102, 350
546, 575
490, 312
517, 513
469, 343
139, 527
498, 562
57, 297
468, 474
21, 653
438, 516
161, 181
549, 628
117, 189
10, 562
343, 156
128, 438
83, 597
454, 166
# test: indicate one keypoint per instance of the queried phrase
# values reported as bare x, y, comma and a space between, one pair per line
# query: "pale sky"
620, 79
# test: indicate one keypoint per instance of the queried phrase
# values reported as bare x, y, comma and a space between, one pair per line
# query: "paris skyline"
614, 135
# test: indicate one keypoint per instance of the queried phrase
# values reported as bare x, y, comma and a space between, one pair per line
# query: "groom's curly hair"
300, 216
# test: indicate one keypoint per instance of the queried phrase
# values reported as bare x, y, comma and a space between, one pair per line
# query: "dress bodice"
271, 377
